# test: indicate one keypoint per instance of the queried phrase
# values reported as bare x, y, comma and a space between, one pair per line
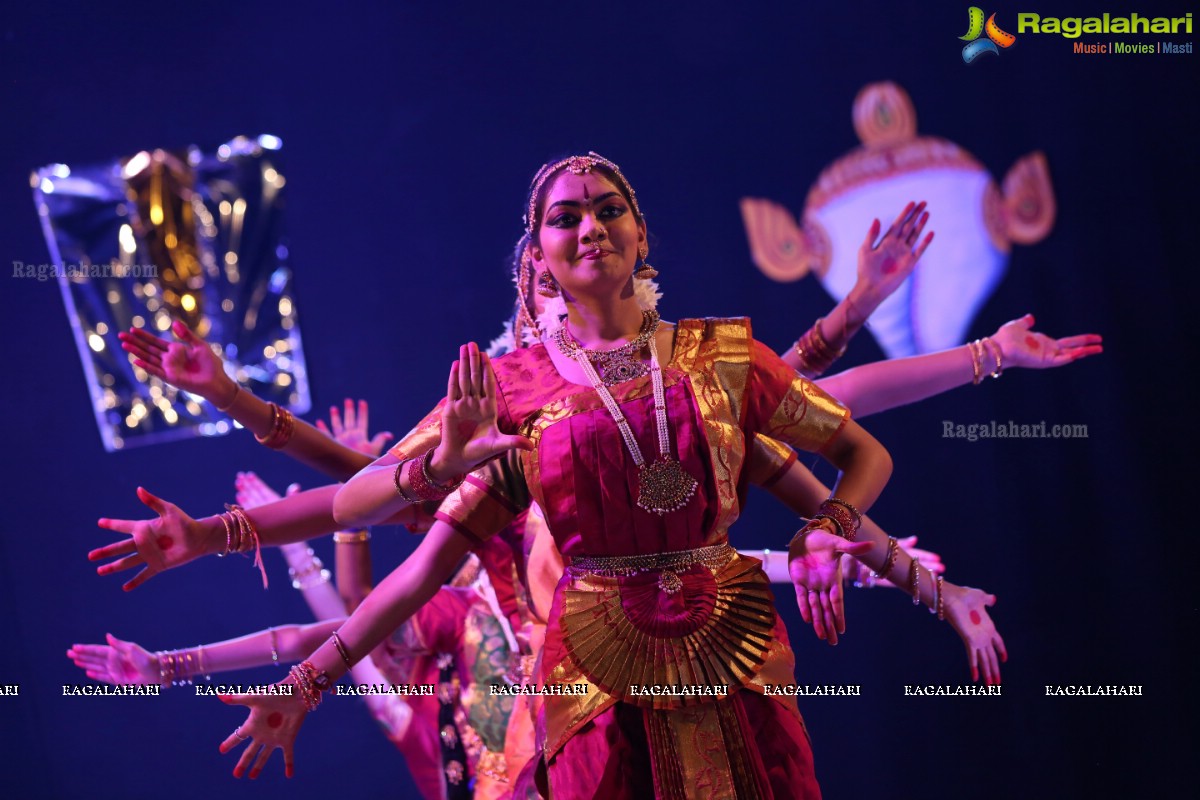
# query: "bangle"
889, 560
228, 536
361, 536
815, 354
310, 683
173, 667
976, 361
247, 538
846, 516
914, 578
274, 647
997, 353
200, 663
283, 424
237, 390
812, 525
341, 648
400, 486
423, 486
302, 576
939, 607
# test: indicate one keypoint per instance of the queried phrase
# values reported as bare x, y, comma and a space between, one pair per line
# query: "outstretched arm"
121, 662
883, 264
274, 721
964, 608
383, 493
192, 365
885, 385
307, 573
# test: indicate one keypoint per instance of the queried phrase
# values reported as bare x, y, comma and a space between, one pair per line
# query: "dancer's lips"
597, 253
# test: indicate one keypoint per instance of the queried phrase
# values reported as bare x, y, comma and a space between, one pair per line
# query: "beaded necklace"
663, 486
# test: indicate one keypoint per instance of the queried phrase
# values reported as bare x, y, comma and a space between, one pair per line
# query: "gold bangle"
812, 525
352, 537
997, 353
341, 649
283, 424
976, 361
889, 560
237, 390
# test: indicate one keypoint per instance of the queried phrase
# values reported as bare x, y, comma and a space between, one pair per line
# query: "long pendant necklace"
619, 364
663, 486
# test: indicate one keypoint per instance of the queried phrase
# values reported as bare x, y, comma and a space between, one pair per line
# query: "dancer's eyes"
562, 220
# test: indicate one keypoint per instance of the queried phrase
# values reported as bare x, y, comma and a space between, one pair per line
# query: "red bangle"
423, 486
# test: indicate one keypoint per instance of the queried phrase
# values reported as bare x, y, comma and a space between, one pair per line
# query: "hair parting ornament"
576, 165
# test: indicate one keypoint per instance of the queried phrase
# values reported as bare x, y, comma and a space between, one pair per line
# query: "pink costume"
625, 619
456, 629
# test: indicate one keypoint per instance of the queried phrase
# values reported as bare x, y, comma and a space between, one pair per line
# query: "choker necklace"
663, 486
620, 364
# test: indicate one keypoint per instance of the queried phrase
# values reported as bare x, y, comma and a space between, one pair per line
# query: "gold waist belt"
713, 557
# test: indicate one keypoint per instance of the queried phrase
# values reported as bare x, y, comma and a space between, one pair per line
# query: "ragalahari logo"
977, 27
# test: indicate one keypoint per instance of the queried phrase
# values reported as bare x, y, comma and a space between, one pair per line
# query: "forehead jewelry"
576, 165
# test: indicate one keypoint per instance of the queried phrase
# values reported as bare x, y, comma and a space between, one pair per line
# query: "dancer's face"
589, 236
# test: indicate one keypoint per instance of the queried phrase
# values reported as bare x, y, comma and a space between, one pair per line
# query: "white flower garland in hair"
504, 343
554, 309
647, 293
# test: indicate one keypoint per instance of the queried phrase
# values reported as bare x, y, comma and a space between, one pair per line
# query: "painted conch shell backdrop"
976, 223
160, 236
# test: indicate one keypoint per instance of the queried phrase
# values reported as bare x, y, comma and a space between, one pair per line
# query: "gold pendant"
618, 370
664, 486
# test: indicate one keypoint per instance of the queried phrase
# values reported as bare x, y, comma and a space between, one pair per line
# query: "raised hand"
189, 364
884, 264
273, 724
350, 429
118, 662
252, 491
966, 610
1025, 347
469, 432
157, 545
815, 566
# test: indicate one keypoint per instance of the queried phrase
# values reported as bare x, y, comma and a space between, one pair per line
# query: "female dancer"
675, 606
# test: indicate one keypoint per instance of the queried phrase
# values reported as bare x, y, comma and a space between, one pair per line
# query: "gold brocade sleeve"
768, 460
421, 439
488, 499
790, 408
